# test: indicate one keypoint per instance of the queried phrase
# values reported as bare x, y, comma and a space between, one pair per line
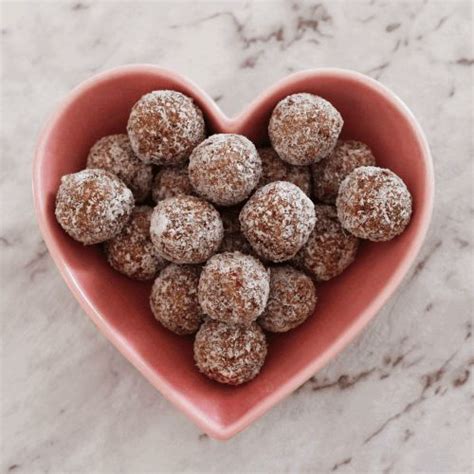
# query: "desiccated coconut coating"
329, 173
114, 153
228, 353
132, 252
374, 203
233, 288
275, 169
186, 229
164, 127
277, 220
174, 298
234, 240
329, 249
304, 128
225, 168
170, 182
292, 299
93, 205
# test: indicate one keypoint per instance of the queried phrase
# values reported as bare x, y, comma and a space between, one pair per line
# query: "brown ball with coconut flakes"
275, 169
132, 252
234, 240
330, 249
304, 128
186, 229
225, 169
292, 299
374, 203
114, 153
174, 298
170, 182
93, 205
164, 127
277, 220
228, 353
329, 173
234, 288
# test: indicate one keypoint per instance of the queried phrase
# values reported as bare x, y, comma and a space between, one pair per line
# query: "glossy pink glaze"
119, 306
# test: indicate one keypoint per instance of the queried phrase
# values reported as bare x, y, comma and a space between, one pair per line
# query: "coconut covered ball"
374, 203
174, 298
233, 288
93, 205
277, 220
132, 252
170, 182
330, 249
230, 354
275, 169
164, 127
292, 299
114, 153
304, 128
225, 169
186, 229
329, 173
234, 240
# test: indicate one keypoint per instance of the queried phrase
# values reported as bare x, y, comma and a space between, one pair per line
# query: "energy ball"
186, 229
329, 173
93, 205
304, 128
229, 354
174, 299
170, 182
275, 169
164, 127
374, 203
225, 169
132, 252
114, 153
292, 300
329, 249
233, 288
277, 220
234, 240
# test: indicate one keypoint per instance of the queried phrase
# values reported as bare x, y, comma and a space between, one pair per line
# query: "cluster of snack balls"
234, 242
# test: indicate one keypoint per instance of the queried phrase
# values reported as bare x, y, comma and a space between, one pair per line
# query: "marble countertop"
398, 400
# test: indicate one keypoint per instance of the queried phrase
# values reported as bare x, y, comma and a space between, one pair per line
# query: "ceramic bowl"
119, 306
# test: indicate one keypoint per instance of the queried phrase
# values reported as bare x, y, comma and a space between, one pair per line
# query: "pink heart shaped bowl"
119, 306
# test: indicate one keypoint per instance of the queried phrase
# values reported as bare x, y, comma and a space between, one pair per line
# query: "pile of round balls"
235, 238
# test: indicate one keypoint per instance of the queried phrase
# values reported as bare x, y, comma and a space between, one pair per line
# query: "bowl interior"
119, 306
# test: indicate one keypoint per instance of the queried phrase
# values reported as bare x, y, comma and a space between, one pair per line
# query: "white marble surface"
398, 400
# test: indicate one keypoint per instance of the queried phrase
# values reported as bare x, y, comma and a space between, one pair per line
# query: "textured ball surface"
225, 169
329, 173
292, 299
277, 220
170, 182
233, 288
132, 252
114, 153
275, 169
93, 205
186, 229
234, 240
229, 354
329, 249
304, 128
374, 203
174, 299
164, 126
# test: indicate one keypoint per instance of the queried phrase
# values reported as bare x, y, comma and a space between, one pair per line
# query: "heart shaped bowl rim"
221, 122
